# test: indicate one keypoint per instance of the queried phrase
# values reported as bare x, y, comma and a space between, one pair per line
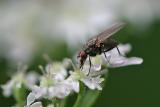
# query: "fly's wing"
105, 35
91, 41
110, 31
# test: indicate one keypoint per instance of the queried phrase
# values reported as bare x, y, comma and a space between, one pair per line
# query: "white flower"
36, 104
93, 78
54, 84
58, 83
31, 79
30, 99
58, 90
72, 83
19, 79
7, 88
93, 82
114, 59
58, 71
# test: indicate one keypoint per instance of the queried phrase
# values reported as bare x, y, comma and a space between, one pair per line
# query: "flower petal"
7, 88
93, 82
36, 104
39, 91
123, 48
58, 91
31, 79
30, 98
57, 70
73, 84
122, 61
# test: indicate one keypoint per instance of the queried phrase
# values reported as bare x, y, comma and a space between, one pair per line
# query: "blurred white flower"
7, 88
22, 22
50, 105
31, 79
19, 79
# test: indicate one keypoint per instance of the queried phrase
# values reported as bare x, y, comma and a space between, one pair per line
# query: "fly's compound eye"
83, 54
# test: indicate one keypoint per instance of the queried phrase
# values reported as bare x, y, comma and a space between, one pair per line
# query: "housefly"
100, 44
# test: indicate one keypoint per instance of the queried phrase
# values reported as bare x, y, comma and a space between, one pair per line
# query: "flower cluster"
20, 79
61, 79
58, 82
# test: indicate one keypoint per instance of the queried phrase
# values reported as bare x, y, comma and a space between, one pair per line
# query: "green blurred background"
26, 24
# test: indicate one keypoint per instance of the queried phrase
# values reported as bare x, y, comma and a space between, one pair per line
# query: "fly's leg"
82, 61
81, 67
118, 51
106, 57
90, 64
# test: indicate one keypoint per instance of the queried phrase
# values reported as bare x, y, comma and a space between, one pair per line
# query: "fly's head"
82, 57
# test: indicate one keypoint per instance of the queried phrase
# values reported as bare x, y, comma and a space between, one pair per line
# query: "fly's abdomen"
109, 45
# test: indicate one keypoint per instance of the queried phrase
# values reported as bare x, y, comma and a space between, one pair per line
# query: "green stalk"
80, 96
55, 102
63, 103
19, 94
90, 98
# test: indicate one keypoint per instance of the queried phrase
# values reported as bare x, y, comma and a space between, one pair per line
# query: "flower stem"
55, 102
92, 95
19, 94
63, 103
80, 96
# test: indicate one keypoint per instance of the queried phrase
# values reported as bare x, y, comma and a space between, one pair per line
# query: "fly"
99, 44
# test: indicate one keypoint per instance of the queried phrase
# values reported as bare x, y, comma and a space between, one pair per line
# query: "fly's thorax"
92, 51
